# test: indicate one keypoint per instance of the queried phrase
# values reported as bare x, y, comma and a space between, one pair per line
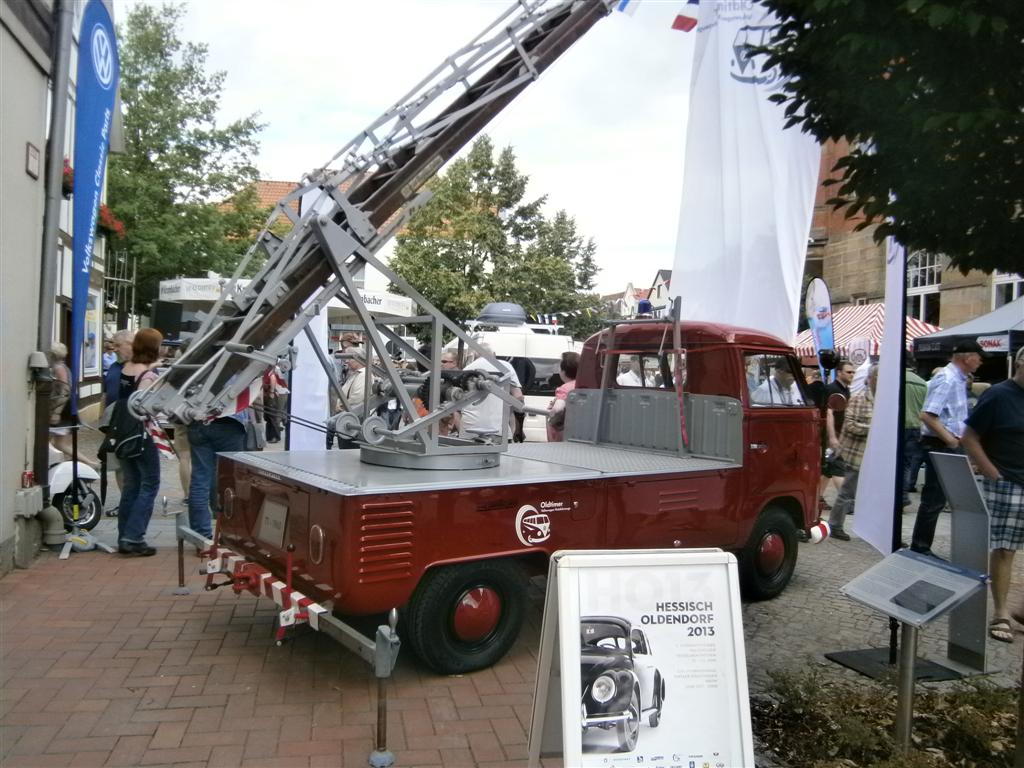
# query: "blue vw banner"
97, 83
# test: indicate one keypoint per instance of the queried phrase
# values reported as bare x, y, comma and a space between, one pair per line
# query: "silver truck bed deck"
342, 473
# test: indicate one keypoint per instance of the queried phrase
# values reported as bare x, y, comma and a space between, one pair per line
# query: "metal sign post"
915, 590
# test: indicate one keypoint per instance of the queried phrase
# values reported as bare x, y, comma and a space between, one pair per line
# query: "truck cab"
776, 485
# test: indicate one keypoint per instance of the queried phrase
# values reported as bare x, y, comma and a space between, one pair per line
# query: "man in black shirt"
994, 439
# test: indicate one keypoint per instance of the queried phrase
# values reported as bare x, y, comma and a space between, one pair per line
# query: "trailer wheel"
465, 617
769, 559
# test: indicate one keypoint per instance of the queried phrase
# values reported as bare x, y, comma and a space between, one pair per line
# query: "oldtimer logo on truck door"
532, 527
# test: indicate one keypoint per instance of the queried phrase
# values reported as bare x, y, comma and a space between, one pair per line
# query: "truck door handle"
759, 447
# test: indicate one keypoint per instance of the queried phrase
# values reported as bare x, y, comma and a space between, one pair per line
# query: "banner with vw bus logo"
98, 69
748, 182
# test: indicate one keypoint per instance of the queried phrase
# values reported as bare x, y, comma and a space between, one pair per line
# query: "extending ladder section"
350, 208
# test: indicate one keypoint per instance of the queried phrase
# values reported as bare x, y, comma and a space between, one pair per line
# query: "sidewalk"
103, 666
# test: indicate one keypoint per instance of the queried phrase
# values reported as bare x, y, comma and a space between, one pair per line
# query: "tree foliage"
931, 96
179, 166
479, 240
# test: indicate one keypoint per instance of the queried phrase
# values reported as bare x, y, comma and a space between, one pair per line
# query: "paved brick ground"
103, 666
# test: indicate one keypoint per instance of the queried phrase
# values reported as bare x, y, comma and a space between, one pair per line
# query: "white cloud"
601, 133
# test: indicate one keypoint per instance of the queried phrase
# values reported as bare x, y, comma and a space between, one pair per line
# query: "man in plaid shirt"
852, 442
943, 420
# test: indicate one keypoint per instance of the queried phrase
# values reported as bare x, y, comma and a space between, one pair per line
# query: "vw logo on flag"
102, 56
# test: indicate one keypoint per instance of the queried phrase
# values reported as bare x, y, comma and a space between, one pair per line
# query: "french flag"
686, 19
627, 7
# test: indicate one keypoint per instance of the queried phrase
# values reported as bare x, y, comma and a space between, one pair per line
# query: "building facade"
853, 266
27, 32
26, 40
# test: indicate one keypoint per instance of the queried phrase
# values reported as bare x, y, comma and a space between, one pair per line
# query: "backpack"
126, 435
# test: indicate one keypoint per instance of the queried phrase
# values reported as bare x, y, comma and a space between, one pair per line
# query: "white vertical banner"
309, 398
748, 184
876, 486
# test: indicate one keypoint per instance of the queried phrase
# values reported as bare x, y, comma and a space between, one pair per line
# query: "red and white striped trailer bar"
296, 608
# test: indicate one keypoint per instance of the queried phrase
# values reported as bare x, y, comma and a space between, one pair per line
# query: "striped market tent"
863, 321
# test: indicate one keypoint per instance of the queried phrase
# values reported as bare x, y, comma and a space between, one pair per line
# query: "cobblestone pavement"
102, 665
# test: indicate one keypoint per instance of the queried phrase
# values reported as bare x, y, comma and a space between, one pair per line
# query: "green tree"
931, 93
478, 240
183, 186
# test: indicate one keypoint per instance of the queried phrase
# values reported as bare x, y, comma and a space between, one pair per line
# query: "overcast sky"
601, 133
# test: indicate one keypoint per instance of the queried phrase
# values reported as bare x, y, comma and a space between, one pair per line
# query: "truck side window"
772, 381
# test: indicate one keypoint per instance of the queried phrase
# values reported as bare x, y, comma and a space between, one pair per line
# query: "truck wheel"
465, 617
768, 562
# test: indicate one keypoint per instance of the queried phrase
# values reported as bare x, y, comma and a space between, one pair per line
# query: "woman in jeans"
141, 474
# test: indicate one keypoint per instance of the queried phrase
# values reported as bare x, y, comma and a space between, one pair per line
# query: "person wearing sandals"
140, 474
994, 440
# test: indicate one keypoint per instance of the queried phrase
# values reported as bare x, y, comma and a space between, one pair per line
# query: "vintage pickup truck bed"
341, 472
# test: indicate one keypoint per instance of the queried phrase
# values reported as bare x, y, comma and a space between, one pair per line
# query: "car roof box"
502, 313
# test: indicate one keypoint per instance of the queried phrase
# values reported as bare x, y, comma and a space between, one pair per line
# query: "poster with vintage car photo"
660, 675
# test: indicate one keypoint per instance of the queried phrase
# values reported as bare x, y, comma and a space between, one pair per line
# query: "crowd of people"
482, 420
949, 413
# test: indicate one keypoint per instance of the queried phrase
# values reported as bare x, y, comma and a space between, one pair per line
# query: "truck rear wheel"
769, 559
465, 617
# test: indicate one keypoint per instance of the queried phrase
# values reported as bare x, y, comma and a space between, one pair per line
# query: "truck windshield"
773, 381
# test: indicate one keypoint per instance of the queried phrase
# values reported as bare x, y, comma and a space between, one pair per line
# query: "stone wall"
854, 267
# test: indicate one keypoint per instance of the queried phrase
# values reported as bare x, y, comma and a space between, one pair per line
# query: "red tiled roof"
269, 192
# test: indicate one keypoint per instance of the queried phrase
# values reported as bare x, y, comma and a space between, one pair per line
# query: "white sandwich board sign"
642, 662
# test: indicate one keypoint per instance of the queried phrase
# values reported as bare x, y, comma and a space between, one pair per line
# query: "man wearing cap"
994, 439
943, 420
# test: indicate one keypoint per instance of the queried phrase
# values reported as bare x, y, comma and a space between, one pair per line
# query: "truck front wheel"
769, 559
465, 617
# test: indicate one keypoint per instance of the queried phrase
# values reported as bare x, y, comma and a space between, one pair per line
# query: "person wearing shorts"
994, 440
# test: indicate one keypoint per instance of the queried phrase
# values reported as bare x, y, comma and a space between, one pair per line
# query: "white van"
534, 351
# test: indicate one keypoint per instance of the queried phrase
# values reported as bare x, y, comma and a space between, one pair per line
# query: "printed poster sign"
651, 661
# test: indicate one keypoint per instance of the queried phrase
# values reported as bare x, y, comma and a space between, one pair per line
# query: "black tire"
654, 719
429, 620
90, 509
628, 731
761, 582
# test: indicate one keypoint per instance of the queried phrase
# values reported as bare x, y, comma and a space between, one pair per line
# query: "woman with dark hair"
141, 473
556, 411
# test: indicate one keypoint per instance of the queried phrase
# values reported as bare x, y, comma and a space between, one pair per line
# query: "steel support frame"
362, 195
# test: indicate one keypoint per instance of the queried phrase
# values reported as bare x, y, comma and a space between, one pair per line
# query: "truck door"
782, 445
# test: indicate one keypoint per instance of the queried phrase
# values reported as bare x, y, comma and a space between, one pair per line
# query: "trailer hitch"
295, 608
212, 585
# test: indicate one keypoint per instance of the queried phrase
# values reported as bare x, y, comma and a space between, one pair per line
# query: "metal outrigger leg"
243, 575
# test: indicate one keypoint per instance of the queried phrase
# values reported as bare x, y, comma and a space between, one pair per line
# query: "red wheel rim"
771, 553
477, 613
